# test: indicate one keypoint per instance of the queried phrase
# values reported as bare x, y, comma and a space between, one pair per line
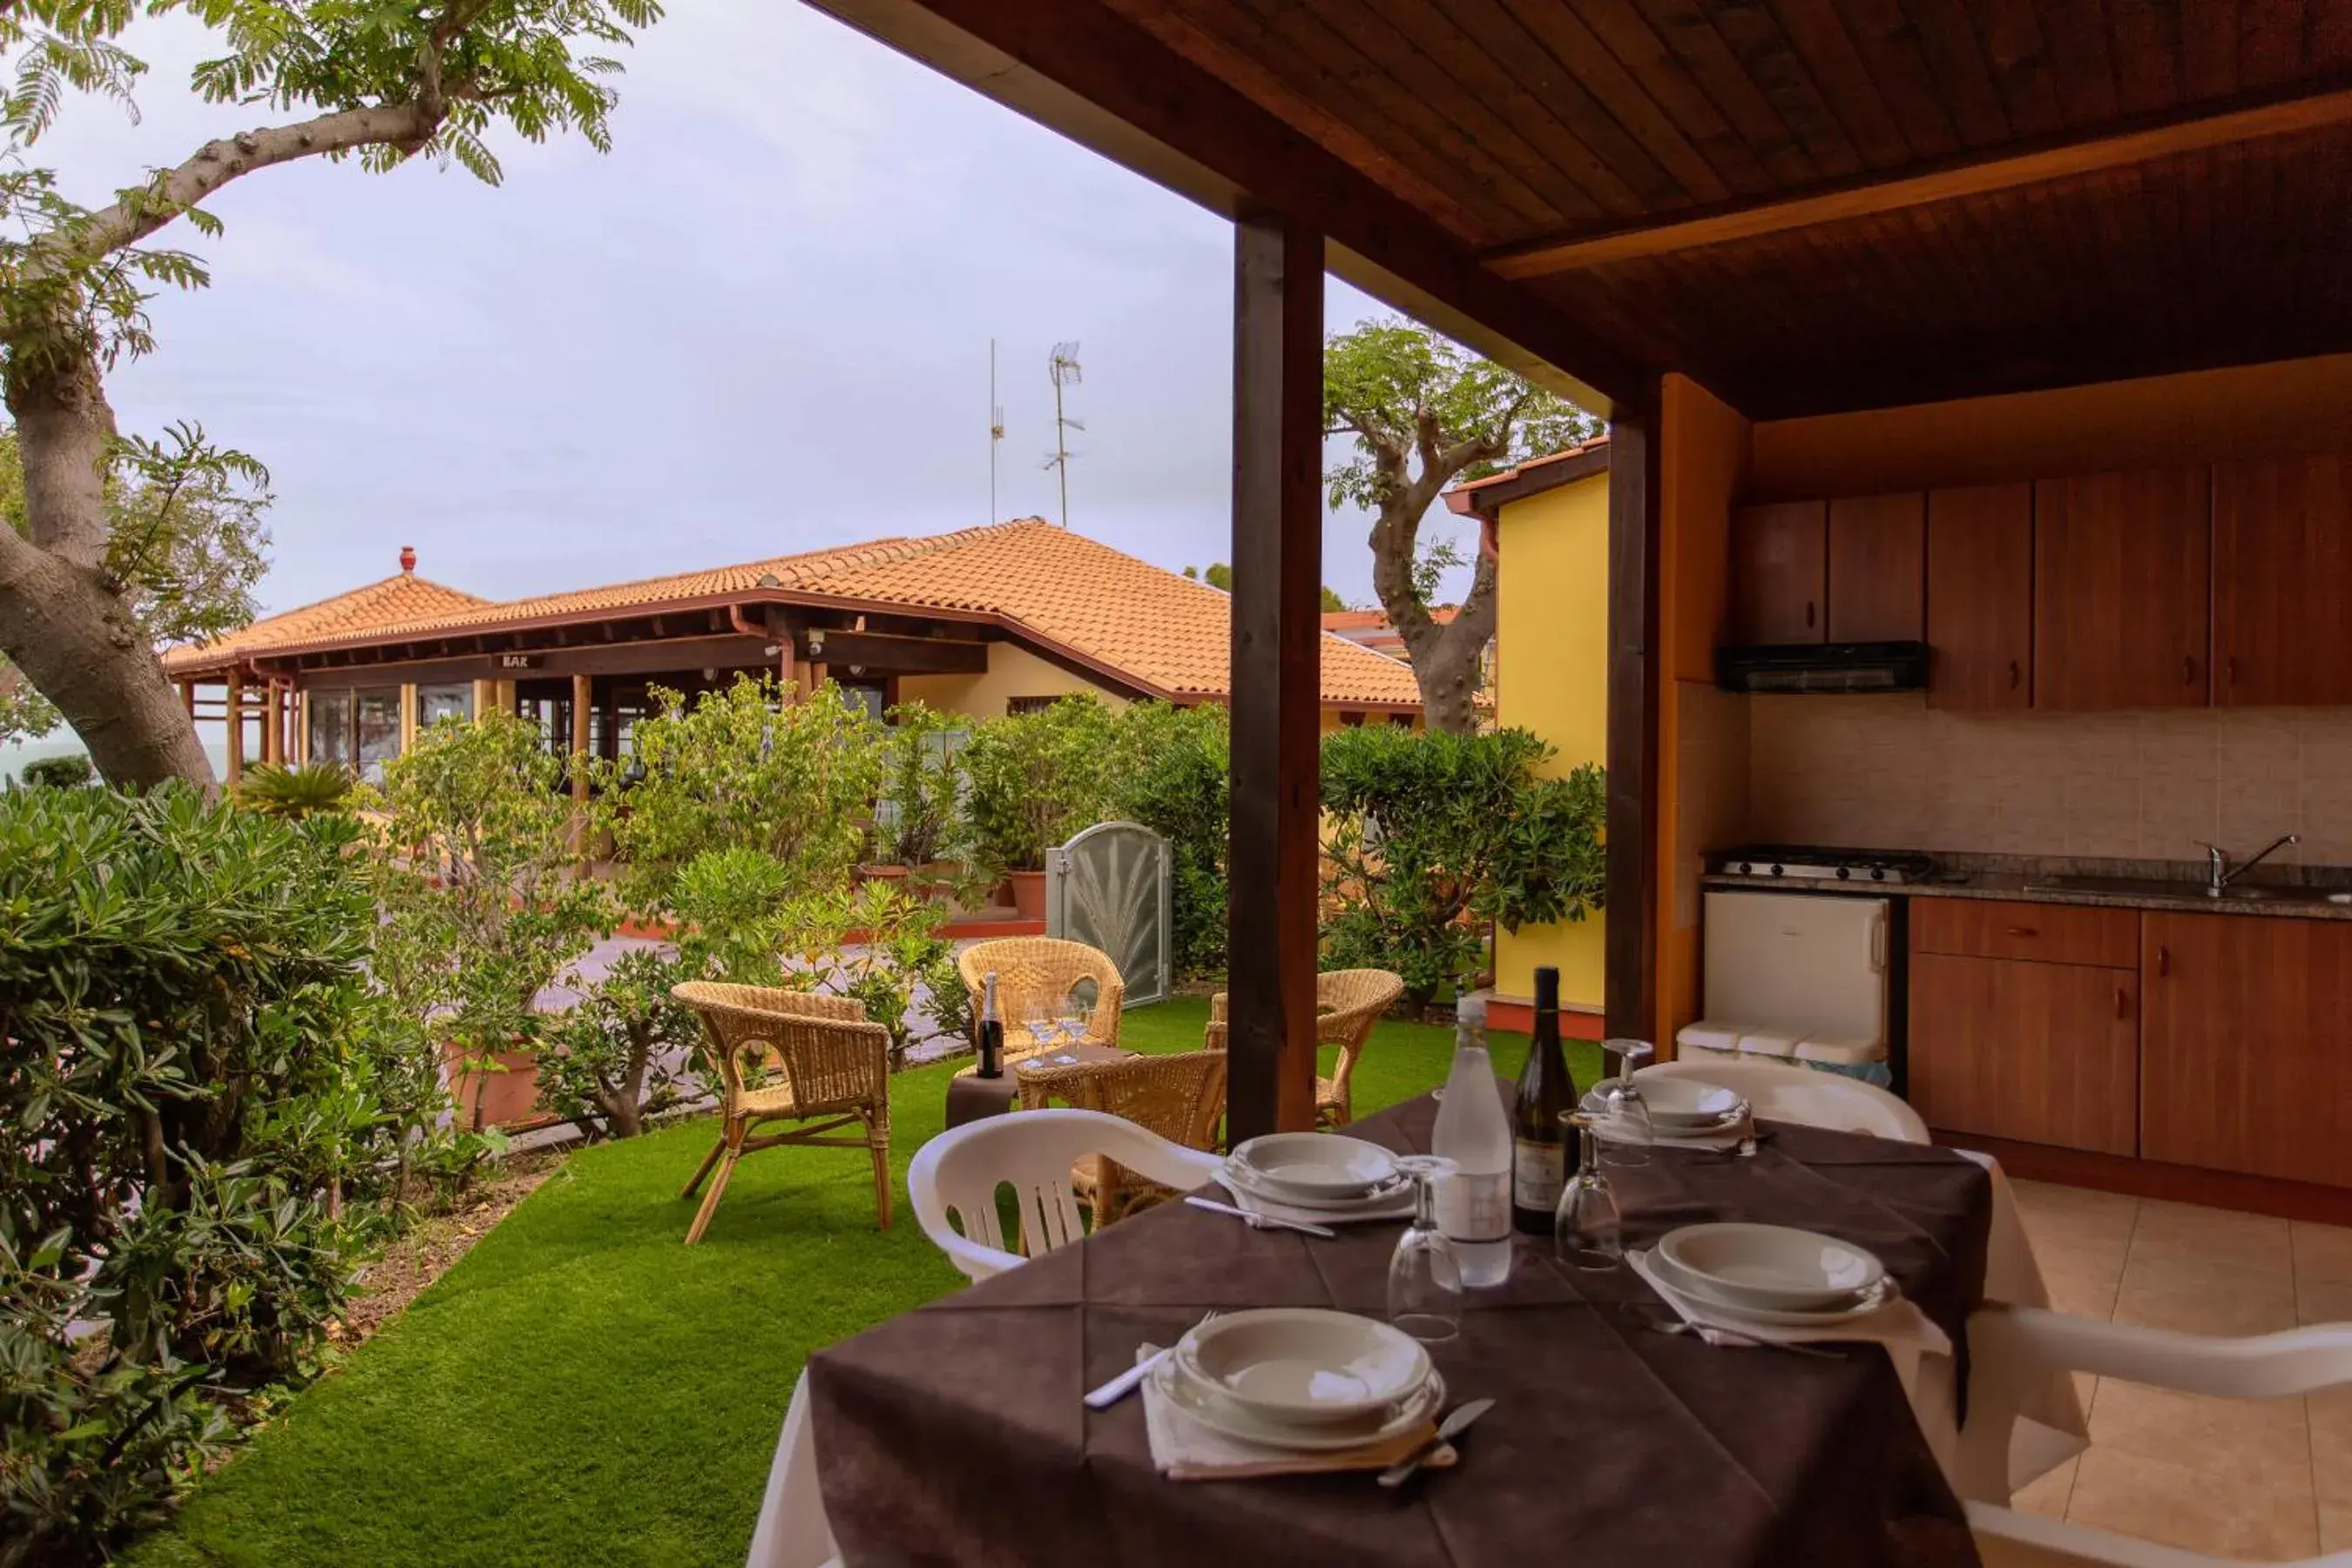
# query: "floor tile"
2234, 1443
2197, 1300
2322, 1252
2322, 1300
2211, 1238
2331, 1465
2082, 1285
2177, 1504
2048, 1496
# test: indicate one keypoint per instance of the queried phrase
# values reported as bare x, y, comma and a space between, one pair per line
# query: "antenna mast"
995, 430
1063, 369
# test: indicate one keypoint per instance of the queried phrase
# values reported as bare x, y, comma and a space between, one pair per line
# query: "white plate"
1213, 1410
1771, 1265
1382, 1197
1294, 1367
1688, 1101
1862, 1306
1315, 1164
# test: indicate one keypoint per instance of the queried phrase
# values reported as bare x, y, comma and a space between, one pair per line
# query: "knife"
1453, 1426
1262, 1221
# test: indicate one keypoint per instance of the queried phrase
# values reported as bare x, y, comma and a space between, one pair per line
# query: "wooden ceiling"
1807, 205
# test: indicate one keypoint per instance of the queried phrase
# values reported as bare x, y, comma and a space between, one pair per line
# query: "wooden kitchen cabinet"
2121, 600
2281, 556
1877, 568
1979, 585
1779, 567
2041, 1053
2246, 1045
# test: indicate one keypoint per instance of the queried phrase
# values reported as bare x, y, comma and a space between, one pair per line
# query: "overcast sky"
761, 324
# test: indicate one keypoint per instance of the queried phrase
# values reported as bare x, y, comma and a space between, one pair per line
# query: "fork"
1126, 1382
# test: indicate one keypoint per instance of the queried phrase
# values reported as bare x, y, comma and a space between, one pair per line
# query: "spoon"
1453, 1426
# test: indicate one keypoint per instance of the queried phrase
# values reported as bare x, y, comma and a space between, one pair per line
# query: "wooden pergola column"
1277, 673
234, 710
1629, 957
273, 722
583, 698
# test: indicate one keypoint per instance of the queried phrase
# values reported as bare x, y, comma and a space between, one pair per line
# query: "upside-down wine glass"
1588, 1231
1627, 1112
1425, 1276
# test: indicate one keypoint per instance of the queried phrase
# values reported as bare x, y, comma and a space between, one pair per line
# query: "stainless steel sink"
2160, 887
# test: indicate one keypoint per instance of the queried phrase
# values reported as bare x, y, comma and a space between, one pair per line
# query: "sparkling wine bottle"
1539, 1144
991, 1031
1474, 1204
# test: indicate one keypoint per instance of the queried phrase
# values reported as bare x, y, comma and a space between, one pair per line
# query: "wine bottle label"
1538, 1172
1475, 1207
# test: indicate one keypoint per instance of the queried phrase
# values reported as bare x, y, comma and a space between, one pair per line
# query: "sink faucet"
2220, 872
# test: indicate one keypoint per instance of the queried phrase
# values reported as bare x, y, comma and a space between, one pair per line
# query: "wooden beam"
1277, 676
1944, 183
1630, 953
880, 653
234, 716
272, 725
1107, 84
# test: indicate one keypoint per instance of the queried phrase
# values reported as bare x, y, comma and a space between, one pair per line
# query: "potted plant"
1034, 779
482, 910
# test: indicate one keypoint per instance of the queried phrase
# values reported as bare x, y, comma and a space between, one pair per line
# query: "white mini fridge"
1800, 977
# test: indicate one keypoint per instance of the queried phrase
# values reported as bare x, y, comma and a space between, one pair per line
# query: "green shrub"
879, 945
1034, 779
1427, 834
734, 911
612, 1059
1171, 774
184, 1090
59, 772
916, 817
297, 791
736, 770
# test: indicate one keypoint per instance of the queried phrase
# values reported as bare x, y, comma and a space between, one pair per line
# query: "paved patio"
2257, 1479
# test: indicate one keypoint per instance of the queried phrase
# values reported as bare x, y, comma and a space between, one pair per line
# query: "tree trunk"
62, 621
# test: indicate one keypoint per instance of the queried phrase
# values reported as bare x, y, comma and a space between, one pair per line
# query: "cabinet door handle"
2163, 961
2016, 675
1808, 613
2023, 931
2187, 669
2123, 1005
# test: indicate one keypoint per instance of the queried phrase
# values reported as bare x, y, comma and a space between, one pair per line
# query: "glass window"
379, 731
330, 727
435, 703
869, 695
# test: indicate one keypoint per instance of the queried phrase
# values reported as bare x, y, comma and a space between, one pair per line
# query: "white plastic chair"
2011, 1348
1797, 1094
958, 1173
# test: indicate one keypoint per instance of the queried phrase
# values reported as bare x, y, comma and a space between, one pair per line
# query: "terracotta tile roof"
1533, 466
1149, 626
401, 597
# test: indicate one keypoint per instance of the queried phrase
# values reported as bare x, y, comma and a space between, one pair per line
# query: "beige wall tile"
2258, 778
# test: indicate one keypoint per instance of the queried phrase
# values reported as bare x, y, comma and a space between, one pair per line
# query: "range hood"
1823, 666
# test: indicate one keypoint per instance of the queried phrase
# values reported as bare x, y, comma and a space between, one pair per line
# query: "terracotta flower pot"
1028, 893
882, 874
506, 1098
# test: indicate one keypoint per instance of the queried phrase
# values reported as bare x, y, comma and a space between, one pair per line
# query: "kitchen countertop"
2021, 887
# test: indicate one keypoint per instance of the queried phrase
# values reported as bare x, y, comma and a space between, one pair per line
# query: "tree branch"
216, 162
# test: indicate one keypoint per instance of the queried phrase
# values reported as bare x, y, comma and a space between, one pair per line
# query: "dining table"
956, 1433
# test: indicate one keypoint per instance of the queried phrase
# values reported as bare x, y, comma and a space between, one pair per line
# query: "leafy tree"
1425, 413
183, 537
917, 812
614, 1058
381, 84
1426, 835
1172, 772
1034, 779
1221, 577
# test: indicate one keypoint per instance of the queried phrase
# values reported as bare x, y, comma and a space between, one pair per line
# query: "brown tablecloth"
972, 1097
956, 1434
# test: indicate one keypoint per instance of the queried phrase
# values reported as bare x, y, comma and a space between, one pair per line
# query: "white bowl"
1687, 1101
1867, 1304
1205, 1405
1771, 1265
1292, 1367
1315, 1164
1385, 1200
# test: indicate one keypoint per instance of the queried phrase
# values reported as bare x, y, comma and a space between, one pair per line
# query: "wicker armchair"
1181, 1098
1042, 969
835, 1073
1349, 1002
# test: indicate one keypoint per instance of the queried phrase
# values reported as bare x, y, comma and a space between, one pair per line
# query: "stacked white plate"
1771, 1274
1325, 1171
1681, 1108
1301, 1378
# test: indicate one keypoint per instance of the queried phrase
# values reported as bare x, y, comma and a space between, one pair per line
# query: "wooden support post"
273, 728
583, 698
407, 716
1630, 980
188, 696
234, 710
1277, 674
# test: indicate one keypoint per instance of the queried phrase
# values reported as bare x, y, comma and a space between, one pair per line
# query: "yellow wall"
1552, 668
1703, 457
1013, 671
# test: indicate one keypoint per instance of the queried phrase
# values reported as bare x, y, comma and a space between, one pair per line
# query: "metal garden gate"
1108, 888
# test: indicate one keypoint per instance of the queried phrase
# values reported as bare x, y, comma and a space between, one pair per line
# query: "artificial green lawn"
583, 1389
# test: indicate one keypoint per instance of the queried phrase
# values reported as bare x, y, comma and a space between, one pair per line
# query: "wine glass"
1622, 1105
1587, 1232
1075, 1020
1425, 1276
1038, 1019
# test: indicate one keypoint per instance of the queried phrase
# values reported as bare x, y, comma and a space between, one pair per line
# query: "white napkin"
1899, 1325
1398, 1207
1185, 1448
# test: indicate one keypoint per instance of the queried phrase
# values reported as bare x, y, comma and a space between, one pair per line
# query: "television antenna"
995, 430
1062, 367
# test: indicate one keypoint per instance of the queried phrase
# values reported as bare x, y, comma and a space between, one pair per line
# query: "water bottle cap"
1471, 1010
